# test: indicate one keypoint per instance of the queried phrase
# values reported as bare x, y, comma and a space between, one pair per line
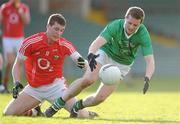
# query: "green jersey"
122, 49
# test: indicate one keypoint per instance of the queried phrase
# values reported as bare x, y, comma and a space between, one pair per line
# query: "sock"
78, 105
58, 104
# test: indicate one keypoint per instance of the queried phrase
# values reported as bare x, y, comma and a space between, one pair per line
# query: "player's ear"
47, 25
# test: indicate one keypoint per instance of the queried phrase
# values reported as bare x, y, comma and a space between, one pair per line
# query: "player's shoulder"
35, 38
5, 5
37, 35
63, 41
142, 29
24, 5
66, 43
117, 21
116, 24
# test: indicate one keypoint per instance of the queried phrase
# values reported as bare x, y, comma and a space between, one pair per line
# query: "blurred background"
86, 19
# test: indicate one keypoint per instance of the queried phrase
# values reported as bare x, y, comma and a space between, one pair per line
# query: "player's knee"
8, 112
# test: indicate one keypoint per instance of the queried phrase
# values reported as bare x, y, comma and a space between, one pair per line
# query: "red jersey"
44, 61
13, 24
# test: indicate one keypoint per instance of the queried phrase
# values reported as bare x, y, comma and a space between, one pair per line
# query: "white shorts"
48, 92
11, 44
105, 59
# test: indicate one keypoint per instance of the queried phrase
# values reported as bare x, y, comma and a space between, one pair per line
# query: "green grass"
161, 105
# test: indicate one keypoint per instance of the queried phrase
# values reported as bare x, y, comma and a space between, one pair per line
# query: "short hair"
136, 12
59, 18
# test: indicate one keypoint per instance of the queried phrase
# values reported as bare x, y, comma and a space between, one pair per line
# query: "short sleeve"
25, 48
2, 7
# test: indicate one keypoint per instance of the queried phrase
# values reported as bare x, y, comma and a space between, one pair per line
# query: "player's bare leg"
74, 89
78, 85
103, 92
21, 105
100, 96
10, 57
6, 75
82, 113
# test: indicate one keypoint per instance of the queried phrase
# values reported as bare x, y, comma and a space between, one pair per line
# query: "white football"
110, 74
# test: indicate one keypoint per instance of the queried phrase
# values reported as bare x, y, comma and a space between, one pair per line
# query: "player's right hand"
16, 88
92, 60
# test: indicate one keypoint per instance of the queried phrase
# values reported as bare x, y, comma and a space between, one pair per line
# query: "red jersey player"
43, 54
14, 15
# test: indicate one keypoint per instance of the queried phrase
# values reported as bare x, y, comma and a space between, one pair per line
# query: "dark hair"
56, 18
136, 12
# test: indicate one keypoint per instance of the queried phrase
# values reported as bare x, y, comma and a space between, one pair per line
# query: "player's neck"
50, 41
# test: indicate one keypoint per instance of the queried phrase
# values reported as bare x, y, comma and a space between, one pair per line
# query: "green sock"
78, 105
59, 103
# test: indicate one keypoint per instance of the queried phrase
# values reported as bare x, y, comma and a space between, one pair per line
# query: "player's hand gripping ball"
110, 74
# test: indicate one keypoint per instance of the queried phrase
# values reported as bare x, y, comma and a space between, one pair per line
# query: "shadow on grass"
139, 120
123, 120
98, 120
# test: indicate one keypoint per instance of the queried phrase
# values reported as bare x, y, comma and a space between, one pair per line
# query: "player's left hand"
81, 62
92, 60
146, 84
16, 88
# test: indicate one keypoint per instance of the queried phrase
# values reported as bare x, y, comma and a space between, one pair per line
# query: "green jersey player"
123, 48
117, 44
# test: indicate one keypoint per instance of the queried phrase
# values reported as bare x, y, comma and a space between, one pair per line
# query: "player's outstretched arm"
150, 68
146, 84
95, 45
16, 74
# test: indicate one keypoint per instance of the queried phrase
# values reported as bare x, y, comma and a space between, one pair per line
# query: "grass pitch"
161, 105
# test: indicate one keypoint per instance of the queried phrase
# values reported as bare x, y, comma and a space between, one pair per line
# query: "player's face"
55, 31
131, 24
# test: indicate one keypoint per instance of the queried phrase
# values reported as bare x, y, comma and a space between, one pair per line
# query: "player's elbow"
27, 20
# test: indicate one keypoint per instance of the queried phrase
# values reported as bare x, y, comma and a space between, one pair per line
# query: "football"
110, 74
